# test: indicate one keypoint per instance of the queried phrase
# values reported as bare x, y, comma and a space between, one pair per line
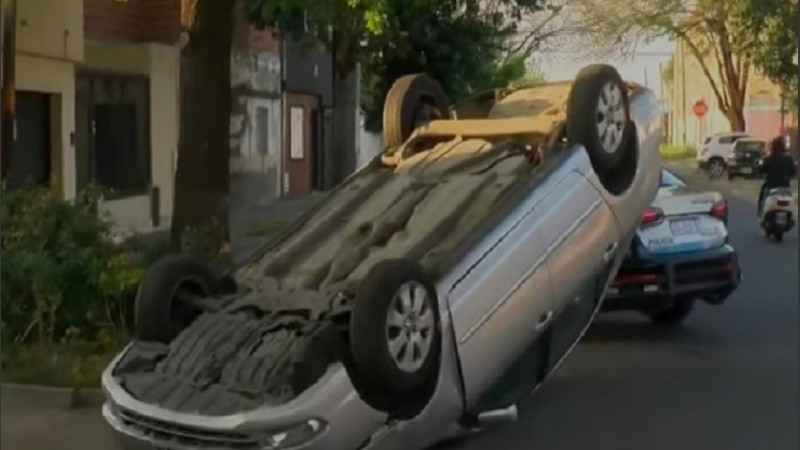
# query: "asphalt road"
726, 379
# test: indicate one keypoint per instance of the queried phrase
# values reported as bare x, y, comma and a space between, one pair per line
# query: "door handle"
610, 251
544, 319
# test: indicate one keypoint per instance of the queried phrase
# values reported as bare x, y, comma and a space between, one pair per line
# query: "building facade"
97, 101
766, 115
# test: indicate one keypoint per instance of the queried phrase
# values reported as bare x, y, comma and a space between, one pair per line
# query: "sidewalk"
31, 426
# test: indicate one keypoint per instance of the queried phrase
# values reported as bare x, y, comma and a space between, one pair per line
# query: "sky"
643, 68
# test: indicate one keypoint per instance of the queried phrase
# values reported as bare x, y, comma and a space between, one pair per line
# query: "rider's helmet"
777, 146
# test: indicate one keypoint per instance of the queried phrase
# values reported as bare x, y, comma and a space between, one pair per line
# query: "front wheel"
395, 334
674, 315
716, 168
164, 303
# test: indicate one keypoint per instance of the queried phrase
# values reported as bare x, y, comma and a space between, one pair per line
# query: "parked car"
744, 160
713, 154
428, 294
681, 254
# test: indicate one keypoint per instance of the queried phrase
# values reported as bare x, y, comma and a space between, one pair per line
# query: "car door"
502, 305
582, 238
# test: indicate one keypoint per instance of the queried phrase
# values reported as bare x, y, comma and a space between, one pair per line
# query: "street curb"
33, 396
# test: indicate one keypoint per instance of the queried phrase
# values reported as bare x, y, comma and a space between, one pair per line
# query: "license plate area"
683, 227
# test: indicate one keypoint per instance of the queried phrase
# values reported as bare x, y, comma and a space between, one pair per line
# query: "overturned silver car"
432, 290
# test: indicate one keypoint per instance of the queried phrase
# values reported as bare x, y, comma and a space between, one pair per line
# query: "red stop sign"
700, 108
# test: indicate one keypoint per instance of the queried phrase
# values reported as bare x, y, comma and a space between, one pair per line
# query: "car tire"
674, 315
716, 168
413, 100
395, 332
777, 236
598, 116
161, 311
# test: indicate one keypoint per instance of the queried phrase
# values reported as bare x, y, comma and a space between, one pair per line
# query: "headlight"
295, 435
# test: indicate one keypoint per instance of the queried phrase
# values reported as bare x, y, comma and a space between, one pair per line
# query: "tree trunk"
343, 140
202, 181
736, 119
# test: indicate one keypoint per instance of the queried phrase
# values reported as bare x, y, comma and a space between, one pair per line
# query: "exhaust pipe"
497, 417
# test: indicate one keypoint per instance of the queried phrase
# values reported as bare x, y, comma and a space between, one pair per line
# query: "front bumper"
654, 285
342, 420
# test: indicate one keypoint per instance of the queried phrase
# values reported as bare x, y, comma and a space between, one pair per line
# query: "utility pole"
8, 132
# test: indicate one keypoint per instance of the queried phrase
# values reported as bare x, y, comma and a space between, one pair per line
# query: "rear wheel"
674, 315
598, 116
777, 236
412, 101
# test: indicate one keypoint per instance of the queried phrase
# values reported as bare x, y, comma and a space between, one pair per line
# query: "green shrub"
61, 276
672, 152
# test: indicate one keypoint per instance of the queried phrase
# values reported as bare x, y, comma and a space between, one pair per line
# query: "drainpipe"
9, 129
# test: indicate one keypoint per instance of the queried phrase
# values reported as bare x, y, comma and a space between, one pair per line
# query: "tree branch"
704, 67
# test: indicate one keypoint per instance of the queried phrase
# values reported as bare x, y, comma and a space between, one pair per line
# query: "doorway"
301, 139
30, 159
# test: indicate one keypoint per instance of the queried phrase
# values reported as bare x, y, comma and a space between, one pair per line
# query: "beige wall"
688, 77
160, 64
50, 28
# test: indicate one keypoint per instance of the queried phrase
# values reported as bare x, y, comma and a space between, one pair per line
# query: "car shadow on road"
630, 329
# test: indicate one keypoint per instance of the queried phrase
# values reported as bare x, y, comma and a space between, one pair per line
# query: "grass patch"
671, 152
74, 364
267, 228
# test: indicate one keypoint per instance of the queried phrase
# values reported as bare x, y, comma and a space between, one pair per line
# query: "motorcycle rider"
778, 168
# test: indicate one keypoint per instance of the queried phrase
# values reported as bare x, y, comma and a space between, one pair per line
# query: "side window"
727, 140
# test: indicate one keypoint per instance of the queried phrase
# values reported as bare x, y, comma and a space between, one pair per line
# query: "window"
113, 132
669, 179
751, 146
731, 139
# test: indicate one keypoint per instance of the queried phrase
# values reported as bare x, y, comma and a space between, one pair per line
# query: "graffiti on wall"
252, 74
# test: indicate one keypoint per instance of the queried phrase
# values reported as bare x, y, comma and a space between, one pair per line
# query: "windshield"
668, 179
749, 146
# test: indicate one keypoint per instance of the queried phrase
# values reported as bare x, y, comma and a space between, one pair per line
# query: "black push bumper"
654, 286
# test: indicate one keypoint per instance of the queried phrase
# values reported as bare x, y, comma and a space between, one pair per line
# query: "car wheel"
395, 334
716, 168
163, 305
598, 117
677, 313
412, 101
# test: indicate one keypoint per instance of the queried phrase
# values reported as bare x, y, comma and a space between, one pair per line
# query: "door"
298, 166
502, 306
29, 161
582, 239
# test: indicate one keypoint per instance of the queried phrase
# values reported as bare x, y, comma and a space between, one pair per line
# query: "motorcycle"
776, 215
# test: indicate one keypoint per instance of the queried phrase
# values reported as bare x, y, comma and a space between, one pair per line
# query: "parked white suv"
713, 154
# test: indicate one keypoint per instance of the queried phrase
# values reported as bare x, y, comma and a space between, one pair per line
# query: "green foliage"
62, 276
464, 49
766, 30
